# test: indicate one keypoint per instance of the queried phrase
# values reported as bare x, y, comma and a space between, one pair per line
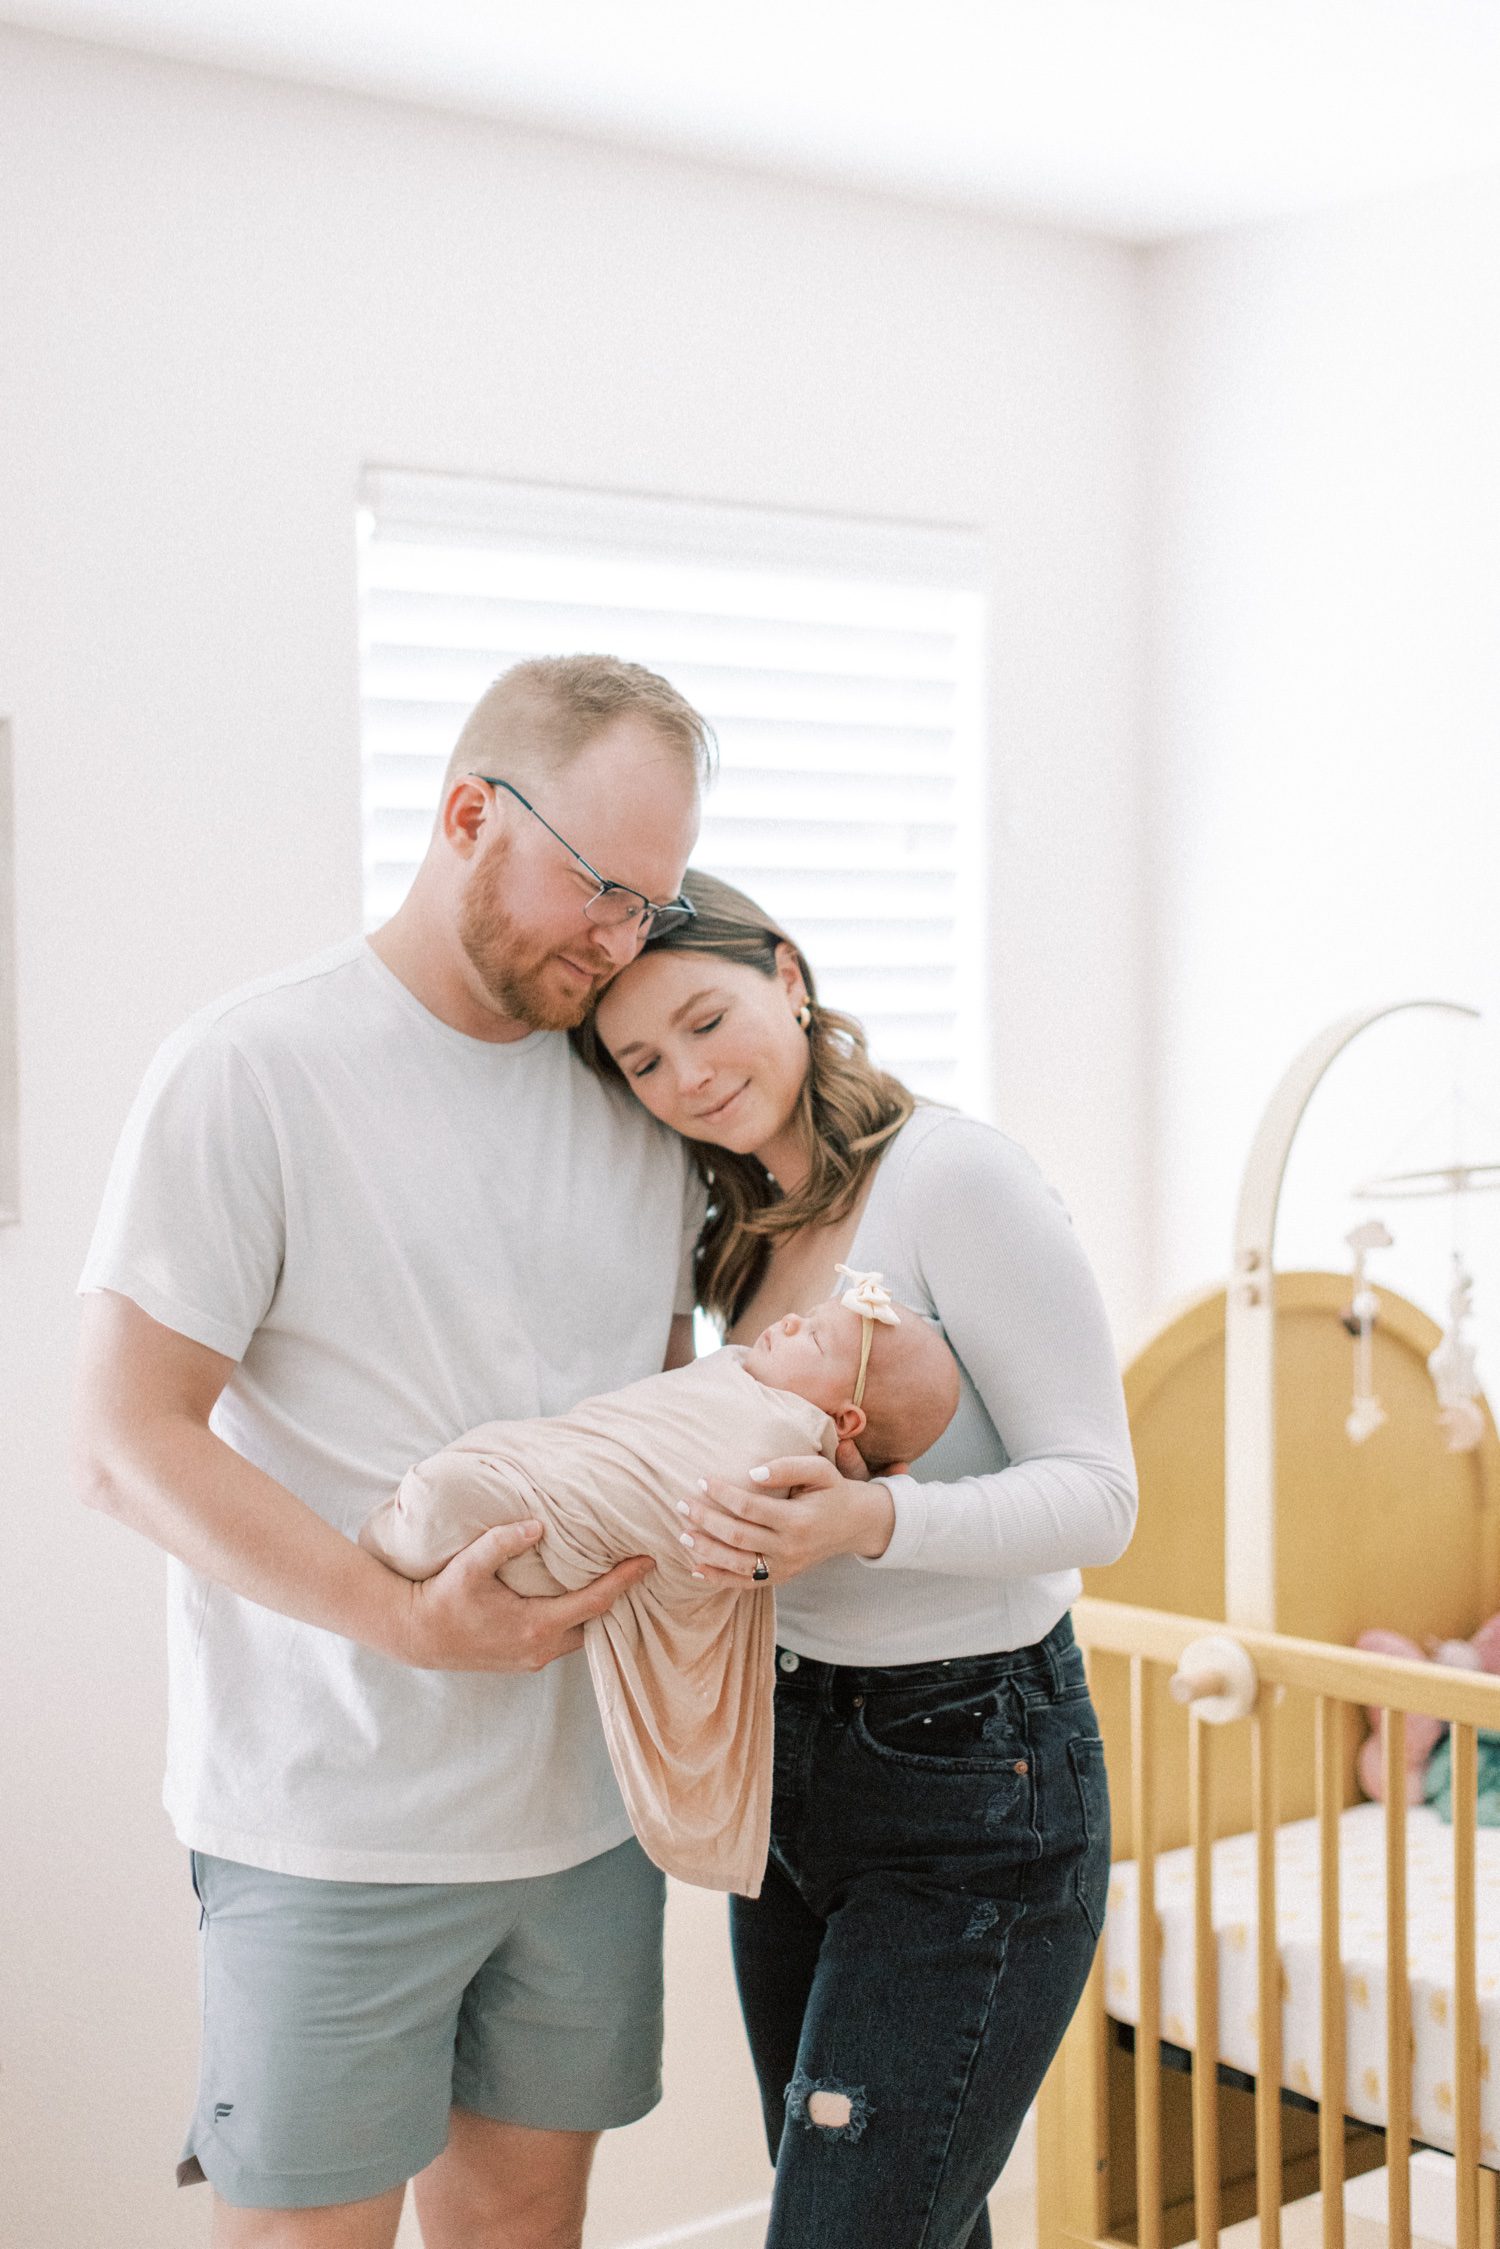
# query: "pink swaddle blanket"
682, 1671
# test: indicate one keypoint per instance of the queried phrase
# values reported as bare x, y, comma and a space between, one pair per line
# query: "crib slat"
1267, 1975
1465, 1773
1150, 2228
1330, 1741
1205, 1991
1397, 1987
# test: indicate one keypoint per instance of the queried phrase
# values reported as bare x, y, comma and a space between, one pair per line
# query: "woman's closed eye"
711, 1023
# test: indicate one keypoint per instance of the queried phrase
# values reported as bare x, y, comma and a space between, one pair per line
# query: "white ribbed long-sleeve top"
1033, 1478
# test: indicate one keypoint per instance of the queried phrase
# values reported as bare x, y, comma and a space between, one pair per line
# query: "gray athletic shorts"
342, 2020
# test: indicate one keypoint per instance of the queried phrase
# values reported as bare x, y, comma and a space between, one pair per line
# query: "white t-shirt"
398, 1232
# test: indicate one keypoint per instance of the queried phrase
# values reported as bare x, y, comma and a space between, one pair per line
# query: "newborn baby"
682, 1670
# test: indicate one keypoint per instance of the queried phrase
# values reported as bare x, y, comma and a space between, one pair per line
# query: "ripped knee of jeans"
827, 2107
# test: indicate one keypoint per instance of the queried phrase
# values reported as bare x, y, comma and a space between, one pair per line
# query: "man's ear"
463, 814
850, 1421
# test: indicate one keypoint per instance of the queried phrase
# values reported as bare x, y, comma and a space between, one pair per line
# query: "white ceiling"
1133, 118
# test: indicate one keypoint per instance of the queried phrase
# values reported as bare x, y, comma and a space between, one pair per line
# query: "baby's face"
814, 1353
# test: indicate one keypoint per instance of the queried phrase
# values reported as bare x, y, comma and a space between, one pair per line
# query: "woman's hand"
796, 1513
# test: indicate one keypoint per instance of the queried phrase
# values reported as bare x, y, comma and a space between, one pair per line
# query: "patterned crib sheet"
1362, 1928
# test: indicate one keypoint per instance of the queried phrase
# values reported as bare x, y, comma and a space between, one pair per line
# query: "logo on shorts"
222, 2109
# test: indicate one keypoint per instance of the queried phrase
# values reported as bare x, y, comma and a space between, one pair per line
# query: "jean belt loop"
1054, 1661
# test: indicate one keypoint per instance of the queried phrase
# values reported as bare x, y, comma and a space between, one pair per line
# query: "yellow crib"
1294, 1986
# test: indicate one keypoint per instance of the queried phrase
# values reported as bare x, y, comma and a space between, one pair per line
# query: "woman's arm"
1021, 1308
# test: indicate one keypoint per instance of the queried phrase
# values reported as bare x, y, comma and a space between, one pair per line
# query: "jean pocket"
936, 1728
1091, 1876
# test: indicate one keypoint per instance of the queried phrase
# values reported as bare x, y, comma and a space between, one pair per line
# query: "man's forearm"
186, 1490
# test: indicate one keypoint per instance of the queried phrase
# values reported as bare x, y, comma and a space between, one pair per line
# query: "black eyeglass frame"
650, 913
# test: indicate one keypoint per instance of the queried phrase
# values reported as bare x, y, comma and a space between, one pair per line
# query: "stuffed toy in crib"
1429, 1773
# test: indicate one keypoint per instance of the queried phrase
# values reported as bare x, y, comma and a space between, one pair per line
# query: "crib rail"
1337, 1679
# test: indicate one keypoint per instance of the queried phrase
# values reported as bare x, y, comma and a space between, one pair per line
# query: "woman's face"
710, 1046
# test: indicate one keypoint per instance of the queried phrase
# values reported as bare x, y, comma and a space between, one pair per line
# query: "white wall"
1325, 794
222, 297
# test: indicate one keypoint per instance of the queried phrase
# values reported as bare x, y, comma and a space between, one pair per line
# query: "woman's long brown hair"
847, 1112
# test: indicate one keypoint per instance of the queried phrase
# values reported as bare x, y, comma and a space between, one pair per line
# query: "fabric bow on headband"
871, 1299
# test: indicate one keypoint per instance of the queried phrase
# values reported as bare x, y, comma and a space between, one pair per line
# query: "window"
838, 663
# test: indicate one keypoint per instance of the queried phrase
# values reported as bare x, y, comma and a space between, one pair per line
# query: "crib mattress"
1362, 1922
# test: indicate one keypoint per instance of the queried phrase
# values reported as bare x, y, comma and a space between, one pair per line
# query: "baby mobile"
1452, 1364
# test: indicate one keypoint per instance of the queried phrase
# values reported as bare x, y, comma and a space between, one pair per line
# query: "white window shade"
837, 662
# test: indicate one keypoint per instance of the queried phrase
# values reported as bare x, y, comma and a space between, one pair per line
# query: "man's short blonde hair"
539, 715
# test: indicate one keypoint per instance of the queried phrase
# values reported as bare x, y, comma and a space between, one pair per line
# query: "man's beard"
516, 976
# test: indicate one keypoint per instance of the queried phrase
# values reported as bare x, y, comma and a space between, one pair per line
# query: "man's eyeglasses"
614, 905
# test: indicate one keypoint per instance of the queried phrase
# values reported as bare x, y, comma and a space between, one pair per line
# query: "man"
358, 1208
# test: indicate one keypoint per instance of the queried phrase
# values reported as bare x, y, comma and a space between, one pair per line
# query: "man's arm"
146, 1455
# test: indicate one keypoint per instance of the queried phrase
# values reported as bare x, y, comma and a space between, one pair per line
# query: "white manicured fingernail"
698, 1574
687, 1538
683, 1507
703, 1483
759, 1475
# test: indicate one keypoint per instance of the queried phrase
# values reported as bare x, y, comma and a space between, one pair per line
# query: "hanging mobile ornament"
1366, 1413
1452, 1365
1453, 1370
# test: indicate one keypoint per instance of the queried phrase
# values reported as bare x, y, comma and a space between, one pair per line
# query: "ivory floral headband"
871, 1299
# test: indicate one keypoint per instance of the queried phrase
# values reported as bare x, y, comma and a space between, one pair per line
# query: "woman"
940, 1832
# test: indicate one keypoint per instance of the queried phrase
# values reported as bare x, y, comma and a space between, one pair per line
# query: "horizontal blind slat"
481, 570
458, 680
485, 626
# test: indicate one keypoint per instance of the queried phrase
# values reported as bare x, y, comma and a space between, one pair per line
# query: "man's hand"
465, 1619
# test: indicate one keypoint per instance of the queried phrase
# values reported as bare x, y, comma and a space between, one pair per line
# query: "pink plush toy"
1481, 1653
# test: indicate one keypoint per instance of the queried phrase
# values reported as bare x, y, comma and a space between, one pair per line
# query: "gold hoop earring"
804, 1017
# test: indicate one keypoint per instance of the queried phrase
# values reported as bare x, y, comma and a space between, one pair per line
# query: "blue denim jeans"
939, 1863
